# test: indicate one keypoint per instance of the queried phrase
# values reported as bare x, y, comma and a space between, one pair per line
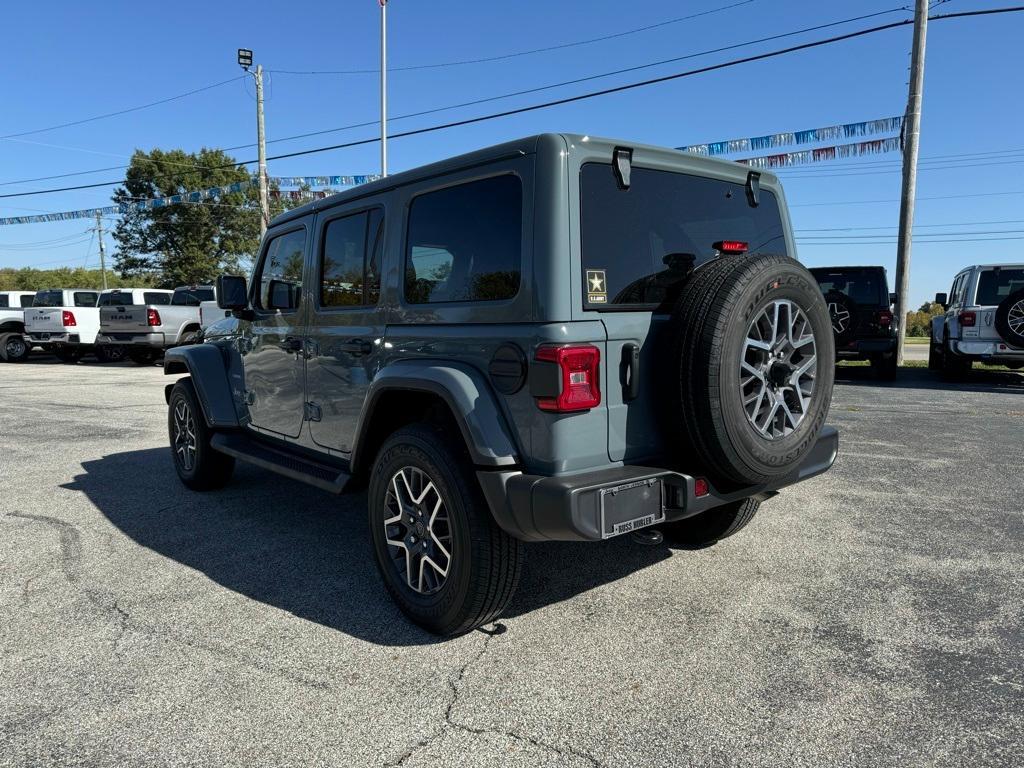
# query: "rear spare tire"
1010, 319
755, 356
842, 313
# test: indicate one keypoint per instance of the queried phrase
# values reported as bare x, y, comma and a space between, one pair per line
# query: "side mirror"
943, 299
232, 292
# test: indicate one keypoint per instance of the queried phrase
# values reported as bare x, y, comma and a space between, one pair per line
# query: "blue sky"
73, 61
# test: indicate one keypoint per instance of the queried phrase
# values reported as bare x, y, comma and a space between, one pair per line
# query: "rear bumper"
861, 347
54, 338
597, 505
154, 340
985, 350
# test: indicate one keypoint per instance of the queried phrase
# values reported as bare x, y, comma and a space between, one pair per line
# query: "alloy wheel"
185, 441
417, 529
15, 347
778, 367
1015, 318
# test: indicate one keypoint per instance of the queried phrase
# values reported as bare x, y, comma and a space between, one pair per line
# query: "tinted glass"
995, 285
465, 242
25, 301
190, 297
863, 287
86, 298
48, 299
375, 246
151, 297
116, 299
639, 245
280, 278
4, 301
343, 261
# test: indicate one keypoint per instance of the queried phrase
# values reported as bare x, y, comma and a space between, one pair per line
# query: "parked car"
147, 329
14, 346
860, 308
64, 321
558, 338
983, 320
210, 313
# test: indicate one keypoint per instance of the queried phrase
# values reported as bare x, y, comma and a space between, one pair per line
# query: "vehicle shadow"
306, 552
978, 380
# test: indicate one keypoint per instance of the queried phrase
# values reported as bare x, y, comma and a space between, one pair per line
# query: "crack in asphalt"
107, 602
451, 723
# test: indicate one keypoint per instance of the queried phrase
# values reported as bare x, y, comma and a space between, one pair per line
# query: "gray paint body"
267, 368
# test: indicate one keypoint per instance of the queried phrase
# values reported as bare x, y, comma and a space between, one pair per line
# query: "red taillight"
579, 388
701, 487
67, 318
152, 317
968, 319
885, 318
730, 246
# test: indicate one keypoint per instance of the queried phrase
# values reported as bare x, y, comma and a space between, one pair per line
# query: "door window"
350, 260
465, 242
280, 278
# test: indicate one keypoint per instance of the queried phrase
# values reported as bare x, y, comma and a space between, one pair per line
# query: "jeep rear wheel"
755, 355
712, 526
444, 560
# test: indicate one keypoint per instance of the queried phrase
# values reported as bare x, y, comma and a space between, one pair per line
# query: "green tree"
186, 242
28, 279
919, 323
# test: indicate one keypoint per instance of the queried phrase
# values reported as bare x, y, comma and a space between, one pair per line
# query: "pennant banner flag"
812, 136
200, 196
787, 159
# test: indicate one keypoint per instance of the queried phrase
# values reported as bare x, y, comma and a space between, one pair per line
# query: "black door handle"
356, 346
630, 372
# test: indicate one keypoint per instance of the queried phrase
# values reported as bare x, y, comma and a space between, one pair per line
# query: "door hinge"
312, 412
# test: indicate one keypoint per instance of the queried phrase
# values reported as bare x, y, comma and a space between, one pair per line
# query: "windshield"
48, 299
191, 297
865, 287
994, 285
639, 245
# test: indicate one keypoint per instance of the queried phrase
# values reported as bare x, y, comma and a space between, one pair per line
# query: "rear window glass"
48, 299
85, 298
149, 297
639, 245
863, 287
994, 285
465, 242
116, 299
4, 301
191, 297
26, 301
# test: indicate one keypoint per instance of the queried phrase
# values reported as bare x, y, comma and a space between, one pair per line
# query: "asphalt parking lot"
871, 616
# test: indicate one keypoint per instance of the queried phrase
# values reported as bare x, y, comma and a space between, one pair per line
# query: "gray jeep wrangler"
559, 338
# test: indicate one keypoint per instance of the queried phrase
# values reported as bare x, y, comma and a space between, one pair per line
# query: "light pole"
383, 87
245, 61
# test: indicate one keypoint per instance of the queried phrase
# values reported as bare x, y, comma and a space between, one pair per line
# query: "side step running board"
299, 468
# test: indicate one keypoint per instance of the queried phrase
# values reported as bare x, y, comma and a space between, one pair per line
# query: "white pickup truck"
67, 321
14, 347
146, 330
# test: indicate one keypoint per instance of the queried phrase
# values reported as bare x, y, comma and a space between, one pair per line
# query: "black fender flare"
469, 397
205, 364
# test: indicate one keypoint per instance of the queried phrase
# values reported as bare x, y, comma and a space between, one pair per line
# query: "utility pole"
383, 87
912, 134
245, 61
103, 249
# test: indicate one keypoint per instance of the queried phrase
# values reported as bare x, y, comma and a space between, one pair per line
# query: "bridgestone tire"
209, 469
843, 317
712, 526
711, 320
1009, 316
14, 348
485, 562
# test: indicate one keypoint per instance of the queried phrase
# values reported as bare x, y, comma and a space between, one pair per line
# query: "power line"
516, 54
936, 197
512, 94
122, 111
916, 226
579, 97
917, 241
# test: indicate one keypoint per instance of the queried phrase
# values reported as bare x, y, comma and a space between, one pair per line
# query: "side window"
85, 299
465, 242
957, 294
343, 263
4, 301
280, 278
26, 301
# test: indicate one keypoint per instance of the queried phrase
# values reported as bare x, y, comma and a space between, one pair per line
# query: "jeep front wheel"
755, 360
444, 560
198, 465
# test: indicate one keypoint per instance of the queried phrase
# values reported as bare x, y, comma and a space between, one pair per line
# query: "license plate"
631, 506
